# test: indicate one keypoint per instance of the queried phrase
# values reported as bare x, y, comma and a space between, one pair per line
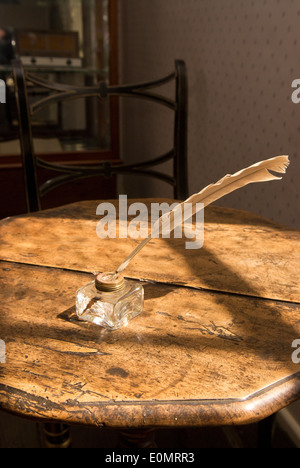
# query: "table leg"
137, 438
265, 432
56, 435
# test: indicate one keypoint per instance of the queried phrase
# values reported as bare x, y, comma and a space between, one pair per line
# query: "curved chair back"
67, 172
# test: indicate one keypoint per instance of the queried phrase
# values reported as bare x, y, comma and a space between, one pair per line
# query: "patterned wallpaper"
242, 57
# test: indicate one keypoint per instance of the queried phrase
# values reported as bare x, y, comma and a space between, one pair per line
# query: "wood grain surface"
242, 253
201, 353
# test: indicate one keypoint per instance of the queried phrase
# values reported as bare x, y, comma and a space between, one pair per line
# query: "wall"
242, 57
24, 15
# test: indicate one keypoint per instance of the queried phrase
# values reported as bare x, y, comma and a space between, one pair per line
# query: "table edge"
155, 413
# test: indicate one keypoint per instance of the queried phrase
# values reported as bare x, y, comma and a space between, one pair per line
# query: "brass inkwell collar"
109, 282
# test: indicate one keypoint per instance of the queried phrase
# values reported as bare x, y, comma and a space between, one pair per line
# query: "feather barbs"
258, 172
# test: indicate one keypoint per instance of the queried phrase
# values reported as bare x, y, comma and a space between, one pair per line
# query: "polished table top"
213, 345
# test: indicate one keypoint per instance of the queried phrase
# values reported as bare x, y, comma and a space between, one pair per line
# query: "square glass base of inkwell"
110, 301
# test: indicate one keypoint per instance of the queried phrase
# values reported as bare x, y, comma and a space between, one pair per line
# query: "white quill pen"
258, 172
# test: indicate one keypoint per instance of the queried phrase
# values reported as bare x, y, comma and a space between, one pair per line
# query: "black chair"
60, 92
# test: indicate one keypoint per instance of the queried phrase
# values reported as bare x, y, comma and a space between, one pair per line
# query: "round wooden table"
212, 347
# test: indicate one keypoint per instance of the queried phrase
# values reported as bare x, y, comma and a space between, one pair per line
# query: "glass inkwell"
110, 301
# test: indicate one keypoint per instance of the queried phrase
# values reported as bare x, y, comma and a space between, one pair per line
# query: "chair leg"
56, 435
